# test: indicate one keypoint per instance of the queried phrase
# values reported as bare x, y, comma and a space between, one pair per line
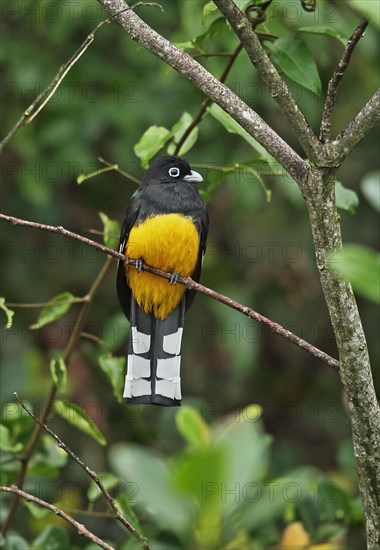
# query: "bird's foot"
174, 278
139, 264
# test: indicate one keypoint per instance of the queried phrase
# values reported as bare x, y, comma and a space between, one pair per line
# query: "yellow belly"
169, 242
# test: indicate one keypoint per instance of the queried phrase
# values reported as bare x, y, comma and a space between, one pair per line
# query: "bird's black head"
170, 170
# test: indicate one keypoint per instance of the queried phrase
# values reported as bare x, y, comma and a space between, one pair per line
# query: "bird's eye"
173, 172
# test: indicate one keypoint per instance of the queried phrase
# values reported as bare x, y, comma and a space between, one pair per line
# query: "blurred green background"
260, 253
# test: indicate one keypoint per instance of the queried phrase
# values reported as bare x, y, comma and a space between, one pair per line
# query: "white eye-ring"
174, 172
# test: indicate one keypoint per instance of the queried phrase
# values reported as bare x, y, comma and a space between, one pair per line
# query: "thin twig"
35, 107
189, 283
82, 530
119, 170
95, 339
93, 475
29, 449
75, 300
332, 89
46, 94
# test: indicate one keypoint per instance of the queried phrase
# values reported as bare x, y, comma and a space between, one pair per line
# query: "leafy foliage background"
260, 253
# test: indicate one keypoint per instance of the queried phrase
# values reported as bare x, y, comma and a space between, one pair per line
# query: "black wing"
123, 290
190, 294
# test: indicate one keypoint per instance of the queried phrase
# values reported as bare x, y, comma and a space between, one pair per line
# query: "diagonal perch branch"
252, 314
82, 530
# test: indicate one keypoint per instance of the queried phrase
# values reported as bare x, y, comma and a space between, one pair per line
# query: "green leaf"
109, 481
346, 199
56, 308
59, 373
200, 473
14, 417
36, 511
8, 312
369, 9
360, 265
234, 127
246, 447
122, 502
13, 541
150, 143
326, 31
249, 172
192, 427
209, 9
370, 186
294, 59
114, 368
178, 130
78, 418
6, 442
215, 29
149, 479
111, 231
52, 538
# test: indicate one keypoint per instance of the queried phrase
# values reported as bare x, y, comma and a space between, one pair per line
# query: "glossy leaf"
122, 502
346, 199
359, 265
114, 368
8, 312
36, 511
292, 56
59, 373
56, 308
77, 417
368, 9
199, 474
234, 128
111, 231
209, 9
370, 186
192, 427
152, 141
6, 441
246, 448
13, 541
178, 130
52, 538
109, 481
148, 473
324, 30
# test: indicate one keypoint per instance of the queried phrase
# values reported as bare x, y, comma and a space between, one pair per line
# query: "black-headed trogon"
165, 226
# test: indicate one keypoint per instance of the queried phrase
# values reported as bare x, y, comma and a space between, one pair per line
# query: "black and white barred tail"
154, 357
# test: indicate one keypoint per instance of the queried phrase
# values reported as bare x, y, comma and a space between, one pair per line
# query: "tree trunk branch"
271, 78
355, 370
211, 86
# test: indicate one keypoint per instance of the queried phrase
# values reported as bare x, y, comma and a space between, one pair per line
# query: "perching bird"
165, 226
